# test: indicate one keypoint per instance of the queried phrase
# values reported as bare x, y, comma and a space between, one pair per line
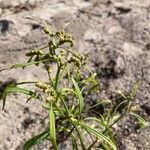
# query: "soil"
115, 33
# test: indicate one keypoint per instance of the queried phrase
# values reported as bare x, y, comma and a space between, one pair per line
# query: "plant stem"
50, 79
92, 145
57, 77
67, 136
80, 137
65, 105
27, 82
58, 109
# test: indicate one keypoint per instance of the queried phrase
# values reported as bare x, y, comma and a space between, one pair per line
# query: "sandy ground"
116, 34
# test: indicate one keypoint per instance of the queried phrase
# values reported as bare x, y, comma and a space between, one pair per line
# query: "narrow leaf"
101, 102
80, 138
79, 95
100, 135
14, 89
19, 90
74, 143
52, 127
36, 140
141, 120
27, 64
102, 123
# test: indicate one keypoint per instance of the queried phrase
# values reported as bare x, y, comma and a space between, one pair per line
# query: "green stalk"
50, 79
67, 110
59, 109
94, 142
80, 137
52, 128
71, 51
74, 143
57, 77
27, 82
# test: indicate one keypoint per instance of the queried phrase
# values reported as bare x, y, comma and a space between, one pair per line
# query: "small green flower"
42, 85
34, 52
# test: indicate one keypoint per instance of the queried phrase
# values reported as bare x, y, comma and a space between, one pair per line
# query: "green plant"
63, 95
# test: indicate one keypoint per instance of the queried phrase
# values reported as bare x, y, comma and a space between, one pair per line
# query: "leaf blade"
52, 129
79, 95
36, 140
141, 120
27, 64
14, 89
100, 135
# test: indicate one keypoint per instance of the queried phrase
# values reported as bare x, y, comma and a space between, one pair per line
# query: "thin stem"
67, 136
96, 105
74, 143
80, 137
71, 51
44, 47
27, 64
117, 119
90, 135
50, 79
59, 109
62, 72
65, 105
27, 82
127, 109
57, 77
118, 107
94, 142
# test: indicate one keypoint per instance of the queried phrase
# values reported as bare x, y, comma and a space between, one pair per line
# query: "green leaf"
101, 102
52, 127
102, 123
68, 90
14, 89
120, 93
36, 140
65, 105
140, 119
79, 95
136, 86
100, 135
80, 138
74, 143
27, 64
19, 90
114, 118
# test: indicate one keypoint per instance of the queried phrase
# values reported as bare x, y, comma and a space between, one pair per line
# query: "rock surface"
115, 33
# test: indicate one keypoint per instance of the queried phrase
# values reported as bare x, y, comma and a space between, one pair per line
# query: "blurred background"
115, 33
